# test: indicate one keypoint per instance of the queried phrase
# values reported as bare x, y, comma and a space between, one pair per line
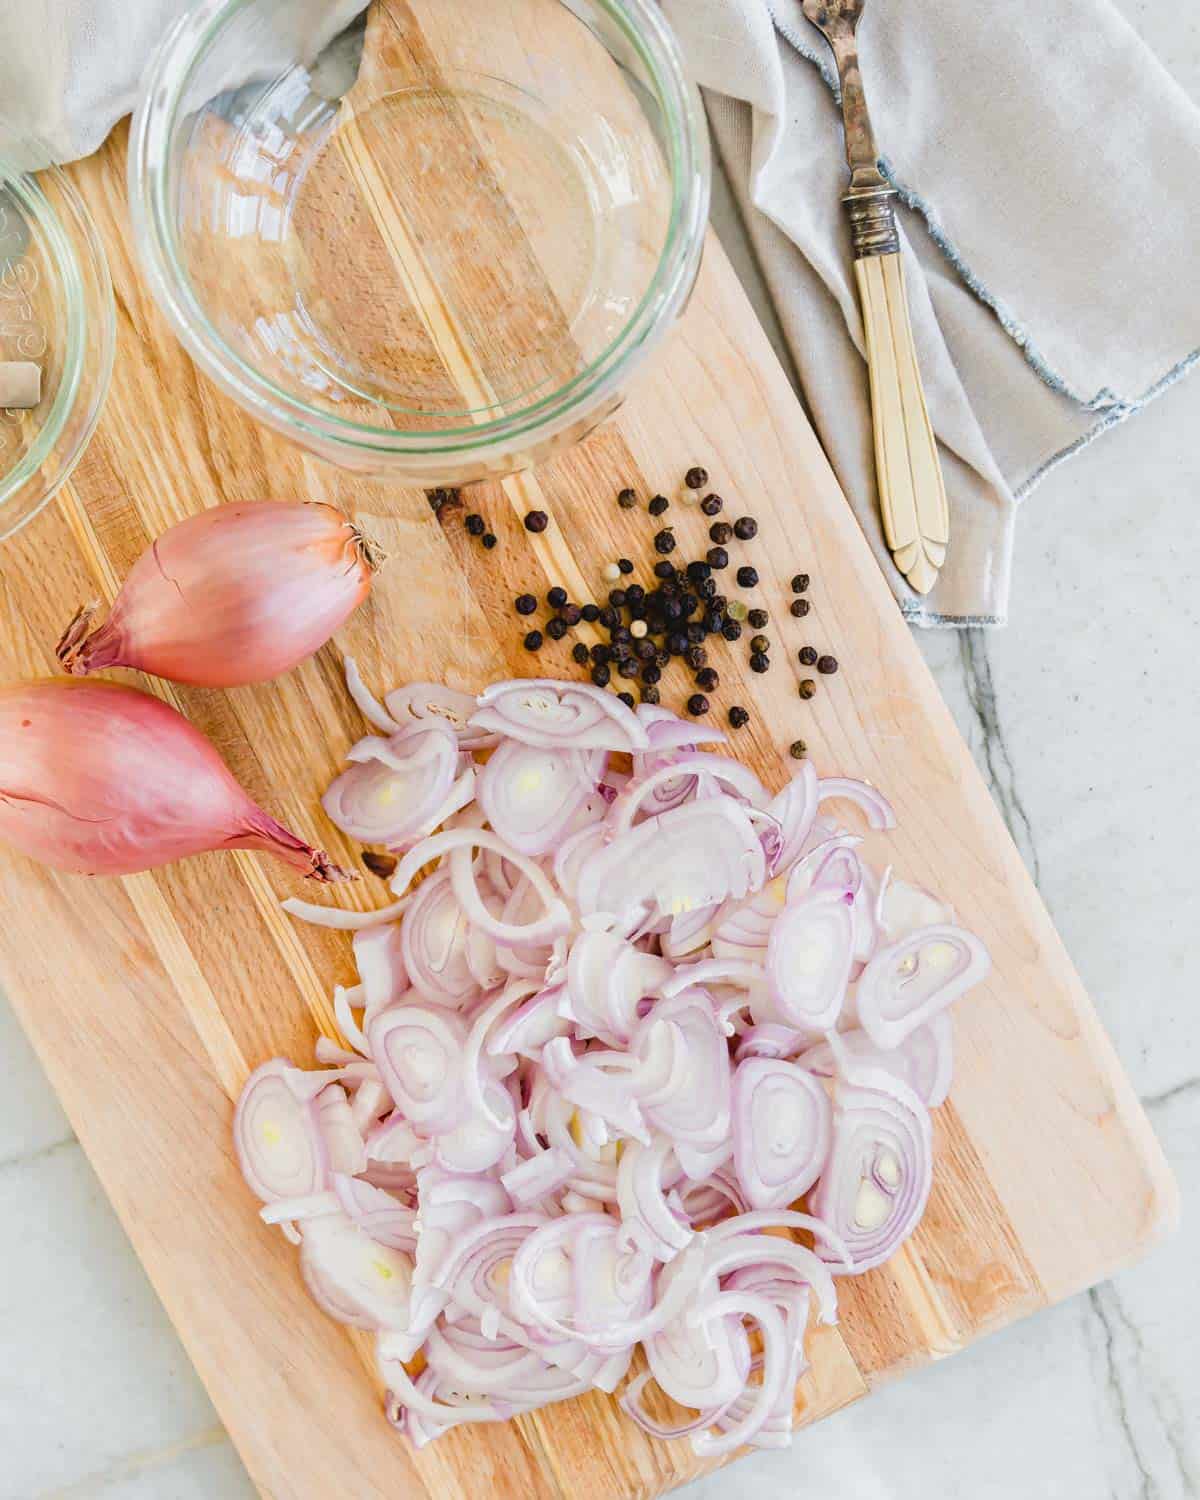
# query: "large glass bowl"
429, 241
56, 311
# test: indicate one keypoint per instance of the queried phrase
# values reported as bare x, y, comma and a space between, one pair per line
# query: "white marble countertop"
1083, 716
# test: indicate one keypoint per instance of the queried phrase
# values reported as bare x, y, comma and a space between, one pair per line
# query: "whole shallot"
236, 594
103, 779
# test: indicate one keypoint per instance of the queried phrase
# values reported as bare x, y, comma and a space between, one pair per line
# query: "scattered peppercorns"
717, 557
626, 699
533, 641
707, 679
488, 539
827, 664
800, 583
650, 693
696, 657
797, 749
580, 653
571, 614
807, 688
711, 504
807, 656
696, 477
556, 628
738, 716
601, 674
664, 570
475, 524
524, 604
747, 577
731, 630
697, 704
745, 528
737, 611
760, 661
624, 565
757, 618
651, 672
616, 597
626, 499
720, 532
664, 541
556, 598
799, 608
759, 643
590, 613
658, 505
536, 520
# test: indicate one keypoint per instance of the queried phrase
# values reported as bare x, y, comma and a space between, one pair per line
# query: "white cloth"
1050, 236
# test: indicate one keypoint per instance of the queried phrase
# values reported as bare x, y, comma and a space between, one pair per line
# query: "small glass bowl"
431, 251
56, 310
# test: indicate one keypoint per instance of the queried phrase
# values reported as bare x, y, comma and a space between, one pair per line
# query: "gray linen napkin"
1046, 161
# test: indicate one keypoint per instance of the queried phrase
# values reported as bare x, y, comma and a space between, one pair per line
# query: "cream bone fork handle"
912, 495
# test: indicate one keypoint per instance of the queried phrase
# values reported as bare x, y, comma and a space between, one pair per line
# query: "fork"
912, 494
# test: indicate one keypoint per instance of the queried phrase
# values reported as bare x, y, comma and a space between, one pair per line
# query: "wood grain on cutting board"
149, 999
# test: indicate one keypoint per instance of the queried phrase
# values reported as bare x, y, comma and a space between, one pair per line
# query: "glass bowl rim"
81, 266
170, 70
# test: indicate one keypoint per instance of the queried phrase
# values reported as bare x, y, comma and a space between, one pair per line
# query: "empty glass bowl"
56, 311
429, 241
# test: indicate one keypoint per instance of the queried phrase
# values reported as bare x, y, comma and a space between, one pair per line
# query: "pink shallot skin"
237, 594
105, 780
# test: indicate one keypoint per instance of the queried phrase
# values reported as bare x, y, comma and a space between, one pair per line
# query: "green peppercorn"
737, 611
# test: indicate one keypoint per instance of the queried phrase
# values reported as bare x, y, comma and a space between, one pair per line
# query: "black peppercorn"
601, 674
664, 540
713, 620
797, 749
645, 649
718, 602
747, 577
650, 693
707, 679
626, 499
696, 477
489, 539
799, 607
717, 557
760, 661
756, 619
651, 672
629, 667
556, 628
827, 664
571, 614
635, 594
672, 609
533, 641
738, 716
626, 699
524, 604
624, 564
720, 532
744, 528
664, 569
609, 617
536, 520
663, 657
556, 598
600, 653
616, 597
807, 656
697, 704
695, 632
590, 613
807, 688
436, 498
731, 630
580, 653
800, 583
689, 604
476, 525
619, 635
658, 505
697, 570
696, 657
711, 505
759, 643
677, 643
383, 865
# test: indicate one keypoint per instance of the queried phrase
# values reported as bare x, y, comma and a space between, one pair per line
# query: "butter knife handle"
912, 496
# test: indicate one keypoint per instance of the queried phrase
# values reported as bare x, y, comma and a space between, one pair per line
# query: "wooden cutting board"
149, 999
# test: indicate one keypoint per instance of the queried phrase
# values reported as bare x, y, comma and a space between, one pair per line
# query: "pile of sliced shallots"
624, 1023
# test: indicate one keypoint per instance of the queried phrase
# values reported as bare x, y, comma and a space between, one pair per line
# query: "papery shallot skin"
102, 779
234, 595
